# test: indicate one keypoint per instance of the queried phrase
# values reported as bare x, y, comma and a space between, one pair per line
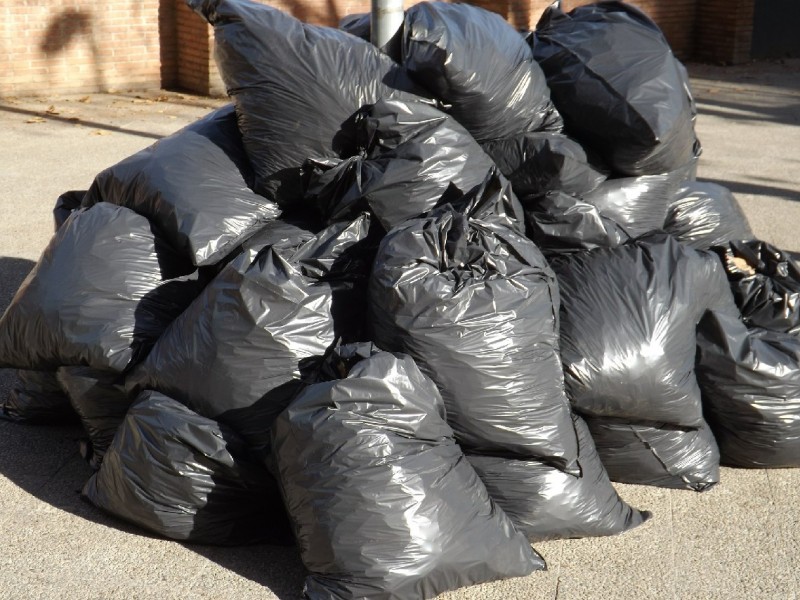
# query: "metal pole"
387, 18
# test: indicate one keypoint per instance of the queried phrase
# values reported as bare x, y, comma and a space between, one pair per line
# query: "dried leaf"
743, 265
36, 120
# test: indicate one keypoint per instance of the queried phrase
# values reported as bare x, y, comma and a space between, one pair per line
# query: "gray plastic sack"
383, 502
618, 86
238, 354
477, 64
476, 305
195, 185
639, 204
703, 214
540, 162
628, 323
186, 478
546, 504
102, 292
100, 400
66, 204
751, 391
411, 154
559, 222
294, 86
657, 454
36, 397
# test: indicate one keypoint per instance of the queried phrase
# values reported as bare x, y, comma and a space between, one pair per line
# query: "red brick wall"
78, 45
724, 30
197, 71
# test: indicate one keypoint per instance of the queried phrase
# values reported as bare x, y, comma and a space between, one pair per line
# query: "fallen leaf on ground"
36, 120
51, 110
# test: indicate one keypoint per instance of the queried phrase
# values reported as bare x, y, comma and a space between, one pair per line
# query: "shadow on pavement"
12, 273
739, 187
787, 114
757, 91
79, 121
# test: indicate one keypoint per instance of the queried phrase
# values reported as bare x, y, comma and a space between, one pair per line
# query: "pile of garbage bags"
413, 312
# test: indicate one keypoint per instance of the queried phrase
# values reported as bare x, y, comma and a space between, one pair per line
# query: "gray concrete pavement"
739, 540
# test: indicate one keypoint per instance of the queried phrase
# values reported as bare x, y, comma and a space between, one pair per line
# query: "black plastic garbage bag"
100, 399
294, 86
492, 202
480, 66
476, 305
559, 222
628, 324
102, 292
186, 478
751, 391
194, 185
618, 86
383, 502
639, 204
359, 25
540, 162
703, 214
545, 503
66, 204
36, 397
239, 352
657, 454
411, 154
765, 282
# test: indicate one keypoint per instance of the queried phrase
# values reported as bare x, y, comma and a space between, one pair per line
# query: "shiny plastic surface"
539, 162
384, 504
294, 86
751, 391
559, 222
187, 478
477, 64
703, 214
639, 204
239, 352
545, 503
657, 454
493, 201
102, 292
618, 86
476, 305
412, 153
195, 185
628, 320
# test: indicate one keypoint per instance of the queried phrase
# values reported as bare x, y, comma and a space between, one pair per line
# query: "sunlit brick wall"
78, 45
